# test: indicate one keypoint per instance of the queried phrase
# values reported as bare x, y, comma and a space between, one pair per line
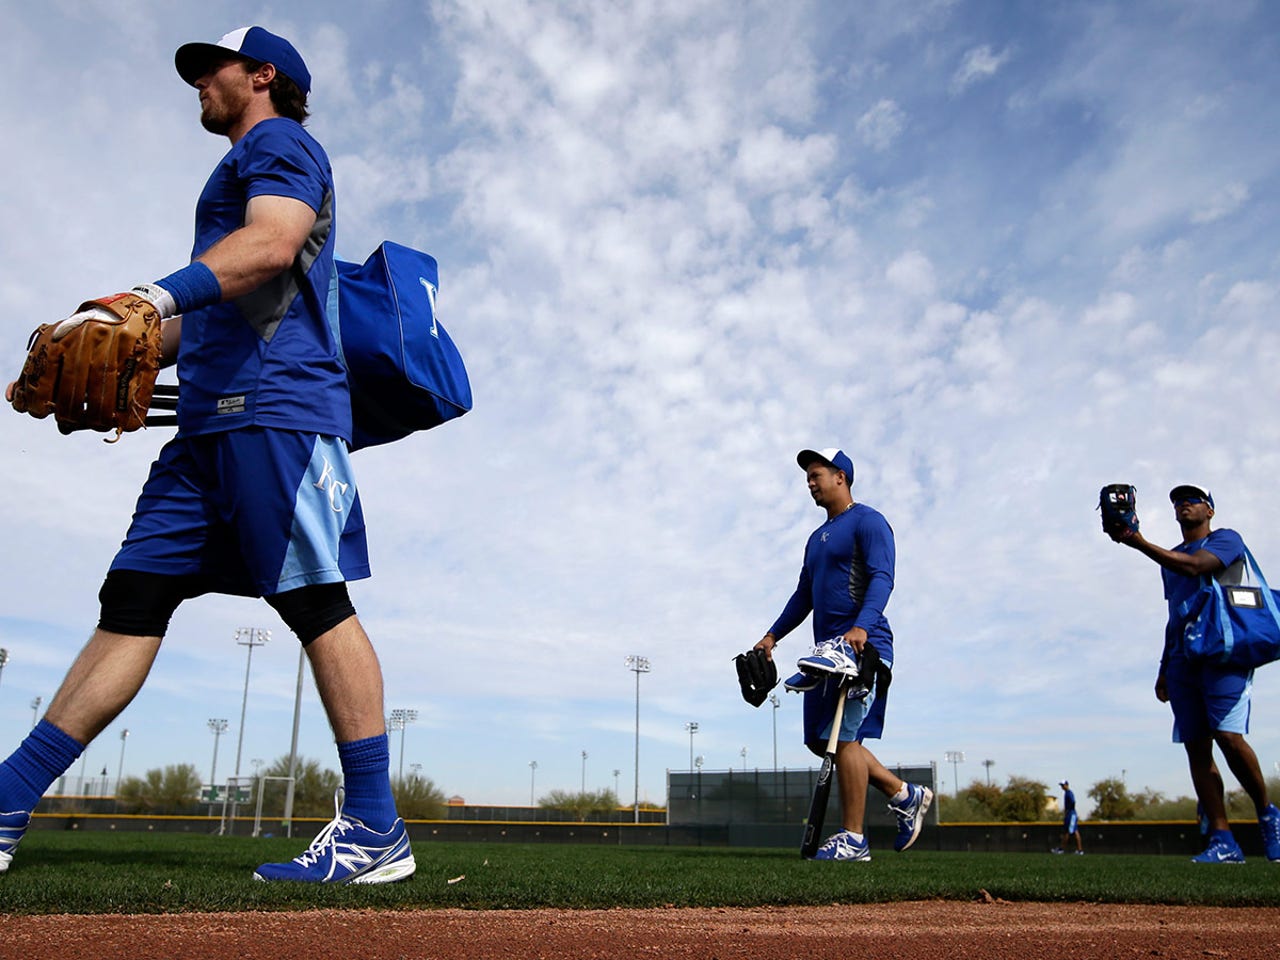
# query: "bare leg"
857, 766
104, 679
349, 680
1207, 782
1243, 763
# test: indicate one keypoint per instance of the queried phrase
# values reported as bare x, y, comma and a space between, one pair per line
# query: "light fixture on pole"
773, 698
692, 727
35, 710
584, 772
217, 728
399, 720
954, 757
617, 773
743, 754
988, 764
4, 658
637, 665
416, 770
533, 768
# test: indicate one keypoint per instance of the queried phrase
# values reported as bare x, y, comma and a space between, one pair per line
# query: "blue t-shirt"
1224, 544
845, 580
1068, 801
267, 358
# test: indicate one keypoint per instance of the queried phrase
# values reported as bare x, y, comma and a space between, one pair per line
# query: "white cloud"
979, 63
881, 125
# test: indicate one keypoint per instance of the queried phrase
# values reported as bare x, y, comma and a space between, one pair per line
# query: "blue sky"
1001, 253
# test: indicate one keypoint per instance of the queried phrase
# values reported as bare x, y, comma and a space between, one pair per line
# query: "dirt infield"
991, 930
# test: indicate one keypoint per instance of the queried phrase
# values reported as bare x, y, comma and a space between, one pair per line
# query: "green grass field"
71, 872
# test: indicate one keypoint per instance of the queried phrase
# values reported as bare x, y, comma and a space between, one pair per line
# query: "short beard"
218, 123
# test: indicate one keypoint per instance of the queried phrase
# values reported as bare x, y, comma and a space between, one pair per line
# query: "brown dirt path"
911, 931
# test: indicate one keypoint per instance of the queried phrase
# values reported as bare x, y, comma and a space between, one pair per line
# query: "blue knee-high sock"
366, 778
44, 756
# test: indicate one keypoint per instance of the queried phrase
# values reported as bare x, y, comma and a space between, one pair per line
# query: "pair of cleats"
345, 851
1223, 847
844, 845
1078, 853
831, 658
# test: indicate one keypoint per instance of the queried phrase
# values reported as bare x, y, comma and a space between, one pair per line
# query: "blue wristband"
193, 287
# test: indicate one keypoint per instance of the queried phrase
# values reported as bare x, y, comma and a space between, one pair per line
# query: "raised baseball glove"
97, 369
1119, 504
756, 675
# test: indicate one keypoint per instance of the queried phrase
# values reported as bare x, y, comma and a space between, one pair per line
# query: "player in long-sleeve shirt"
845, 583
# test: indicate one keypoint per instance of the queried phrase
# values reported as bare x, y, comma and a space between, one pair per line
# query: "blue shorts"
1207, 698
1070, 823
252, 512
863, 719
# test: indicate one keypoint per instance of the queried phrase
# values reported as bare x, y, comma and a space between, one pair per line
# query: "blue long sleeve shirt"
846, 579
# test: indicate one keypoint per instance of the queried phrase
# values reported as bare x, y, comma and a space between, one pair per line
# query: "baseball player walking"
255, 494
1210, 702
1070, 819
845, 583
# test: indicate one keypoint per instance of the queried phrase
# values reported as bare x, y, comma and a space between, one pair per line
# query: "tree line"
175, 790
1025, 800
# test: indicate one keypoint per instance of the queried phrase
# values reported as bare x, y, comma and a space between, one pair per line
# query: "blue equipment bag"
403, 368
1237, 625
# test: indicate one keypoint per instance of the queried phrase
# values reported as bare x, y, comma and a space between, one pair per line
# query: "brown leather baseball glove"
95, 370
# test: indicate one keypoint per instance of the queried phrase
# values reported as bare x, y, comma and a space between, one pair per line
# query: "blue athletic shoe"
911, 815
346, 851
1222, 849
802, 682
844, 846
1269, 823
12, 828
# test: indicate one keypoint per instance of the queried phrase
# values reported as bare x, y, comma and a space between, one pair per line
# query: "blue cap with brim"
193, 60
831, 456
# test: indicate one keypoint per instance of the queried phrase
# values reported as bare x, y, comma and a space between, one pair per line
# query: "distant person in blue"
1070, 821
845, 582
255, 495
1210, 702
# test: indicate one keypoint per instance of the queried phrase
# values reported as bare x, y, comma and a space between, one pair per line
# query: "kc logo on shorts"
334, 488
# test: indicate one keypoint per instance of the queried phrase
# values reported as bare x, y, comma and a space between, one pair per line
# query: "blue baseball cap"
248, 43
832, 457
1184, 491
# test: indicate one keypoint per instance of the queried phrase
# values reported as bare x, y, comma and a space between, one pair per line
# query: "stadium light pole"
35, 710
584, 773
293, 747
692, 727
401, 718
533, 769
637, 665
124, 735
743, 754
217, 728
955, 757
988, 764
4, 658
773, 698
246, 637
